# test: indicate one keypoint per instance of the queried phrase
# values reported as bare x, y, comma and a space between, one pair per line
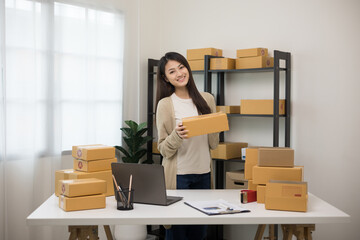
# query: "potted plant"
133, 153
134, 140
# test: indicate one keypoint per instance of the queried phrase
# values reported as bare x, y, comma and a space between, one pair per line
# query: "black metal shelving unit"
220, 100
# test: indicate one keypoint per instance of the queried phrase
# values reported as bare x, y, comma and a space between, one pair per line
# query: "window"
64, 76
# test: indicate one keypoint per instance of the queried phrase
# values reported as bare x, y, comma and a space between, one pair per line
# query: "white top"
193, 156
319, 211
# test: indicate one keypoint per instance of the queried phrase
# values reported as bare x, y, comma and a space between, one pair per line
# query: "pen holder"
125, 199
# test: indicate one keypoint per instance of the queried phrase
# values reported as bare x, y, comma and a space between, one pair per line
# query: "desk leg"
260, 232
83, 232
108, 232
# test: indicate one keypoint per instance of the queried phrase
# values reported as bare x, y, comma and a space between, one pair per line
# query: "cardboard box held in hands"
205, 124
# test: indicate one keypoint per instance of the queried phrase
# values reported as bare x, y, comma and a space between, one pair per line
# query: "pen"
121, 194
129, 195
226, 207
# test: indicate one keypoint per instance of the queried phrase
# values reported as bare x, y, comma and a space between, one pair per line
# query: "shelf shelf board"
252, 115
229, 160
249, 70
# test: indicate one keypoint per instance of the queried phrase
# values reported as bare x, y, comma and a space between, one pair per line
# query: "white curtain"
61, 85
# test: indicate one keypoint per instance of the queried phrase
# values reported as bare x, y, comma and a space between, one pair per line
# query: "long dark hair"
165, 88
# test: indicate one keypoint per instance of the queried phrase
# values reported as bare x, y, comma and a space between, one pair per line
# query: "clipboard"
216, 207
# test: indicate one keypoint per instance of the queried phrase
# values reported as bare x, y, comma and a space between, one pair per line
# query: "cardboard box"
228, 150
251, 62
196, 65
276, 157
235, 180
287, 196
82, 203
205, 124
61, 175
197, 54
260, 106
269, 62
222, 63
154, 148
260, 189
251, 185
93, 166
251, 52
251, 160
262, 175
228, 109
82, 187
104, 175
93, 152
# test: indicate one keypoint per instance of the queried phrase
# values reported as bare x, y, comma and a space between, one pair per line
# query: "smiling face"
177, 74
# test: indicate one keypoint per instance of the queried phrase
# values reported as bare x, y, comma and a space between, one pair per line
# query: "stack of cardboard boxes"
253, 58
195, 57
271, 172
90, 161
81, 194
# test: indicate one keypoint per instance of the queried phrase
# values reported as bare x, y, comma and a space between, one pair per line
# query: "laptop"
148, 182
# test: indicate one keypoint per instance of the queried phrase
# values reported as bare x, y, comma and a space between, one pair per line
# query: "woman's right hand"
181, 131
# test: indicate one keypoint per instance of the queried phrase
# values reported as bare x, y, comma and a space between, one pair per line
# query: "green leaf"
141, 132
145, 140
139, 154
141, 126
121, 149
128, 132
133, 125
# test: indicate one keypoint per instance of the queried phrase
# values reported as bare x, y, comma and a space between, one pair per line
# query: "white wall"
323, 38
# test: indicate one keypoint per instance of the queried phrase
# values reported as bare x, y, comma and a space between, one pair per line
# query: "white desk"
319, 211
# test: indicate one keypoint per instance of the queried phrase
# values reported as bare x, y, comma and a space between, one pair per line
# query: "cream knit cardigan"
169, 141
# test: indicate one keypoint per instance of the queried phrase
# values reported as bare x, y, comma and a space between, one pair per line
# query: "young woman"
186, 161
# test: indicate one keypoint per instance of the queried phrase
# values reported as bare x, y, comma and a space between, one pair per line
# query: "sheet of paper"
216, 207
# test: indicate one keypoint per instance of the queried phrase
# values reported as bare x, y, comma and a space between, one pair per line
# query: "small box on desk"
82, 187
61, 175
228, 150
260, 189
199, 53
262, 175
104, 175
222, 63
251, 160
251, 52
205, 124
82, 203
235, 180
93, 152
260, 106
93, 166
276, 157
286, 195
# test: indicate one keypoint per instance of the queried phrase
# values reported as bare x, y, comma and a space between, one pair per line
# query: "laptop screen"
148, 181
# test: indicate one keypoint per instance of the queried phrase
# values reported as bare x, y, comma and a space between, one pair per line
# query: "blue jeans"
187, 232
